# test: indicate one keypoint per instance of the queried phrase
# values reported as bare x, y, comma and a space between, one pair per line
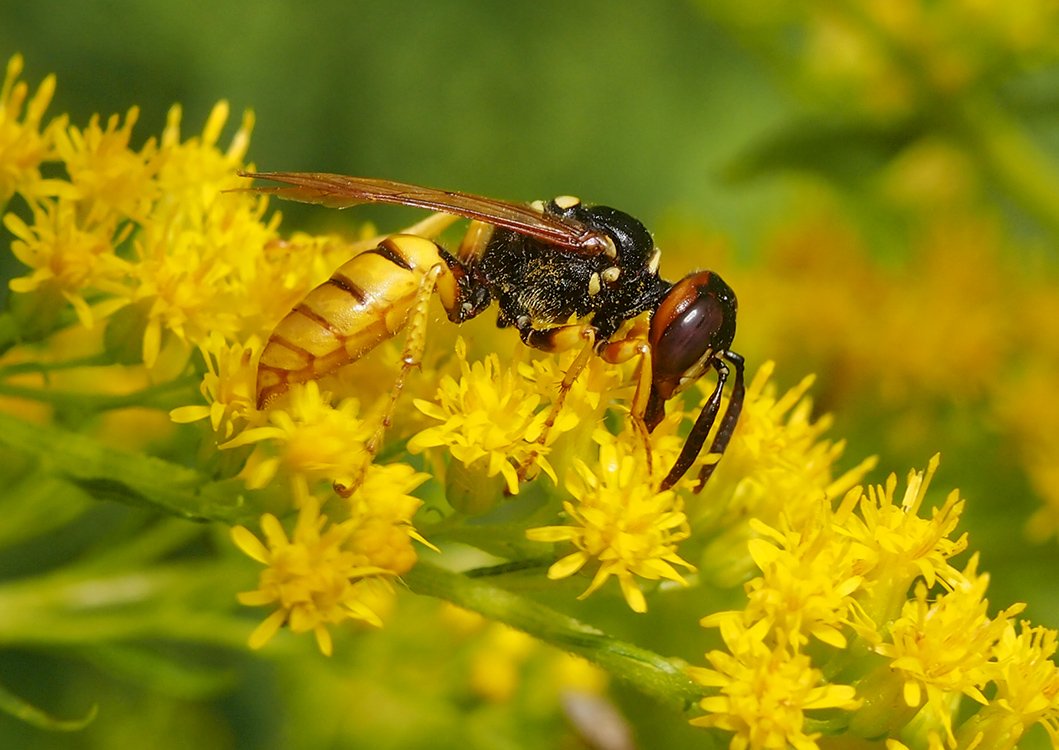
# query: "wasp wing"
340, 191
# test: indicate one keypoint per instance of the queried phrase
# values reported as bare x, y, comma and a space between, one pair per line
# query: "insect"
563, 274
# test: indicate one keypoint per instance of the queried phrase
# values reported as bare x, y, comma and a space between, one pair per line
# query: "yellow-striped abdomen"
365, 302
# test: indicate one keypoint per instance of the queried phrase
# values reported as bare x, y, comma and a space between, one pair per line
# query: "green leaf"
845, 152
167, 673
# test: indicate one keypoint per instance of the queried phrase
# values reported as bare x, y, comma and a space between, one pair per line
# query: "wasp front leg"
555, 340
623, 350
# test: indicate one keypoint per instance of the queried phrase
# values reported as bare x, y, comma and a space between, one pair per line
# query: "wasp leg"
557, 339
411, 357
622, 350
474, 242
728, 421
701, 429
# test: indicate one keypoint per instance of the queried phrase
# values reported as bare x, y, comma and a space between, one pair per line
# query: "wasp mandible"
544, 264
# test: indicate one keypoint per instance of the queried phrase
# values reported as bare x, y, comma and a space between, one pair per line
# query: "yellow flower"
621, 521
310, 439
23, 145
70, 257
381, 510
764, 692
489, 419
108, 179
1027, 682
947, 647
313, 578
895, 545
777, 465
229, 387
807, 584
195, 254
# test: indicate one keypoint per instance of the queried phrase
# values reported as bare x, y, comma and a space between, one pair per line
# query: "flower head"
313, 578
621, 521
1027, 683
807, 584
24, 144
309, 439
381, 510
764, 691
946, 647
895, 544
489, 419
229, 387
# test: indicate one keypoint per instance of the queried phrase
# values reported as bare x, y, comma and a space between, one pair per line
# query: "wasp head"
694, 323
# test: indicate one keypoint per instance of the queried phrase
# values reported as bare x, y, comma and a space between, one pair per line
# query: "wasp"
562, 274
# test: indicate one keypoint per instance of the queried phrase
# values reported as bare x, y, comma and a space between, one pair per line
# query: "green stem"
158, 396
130, 478
654, 675
91, 360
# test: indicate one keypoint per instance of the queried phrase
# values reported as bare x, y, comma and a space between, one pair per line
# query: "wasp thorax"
694, 323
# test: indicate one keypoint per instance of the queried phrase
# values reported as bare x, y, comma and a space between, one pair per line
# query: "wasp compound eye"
695, 321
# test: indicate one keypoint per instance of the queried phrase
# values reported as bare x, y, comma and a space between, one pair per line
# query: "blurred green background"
718, 127
634, 104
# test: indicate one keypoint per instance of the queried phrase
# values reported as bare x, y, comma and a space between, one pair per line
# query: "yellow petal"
264, 632
567, 566
250, 544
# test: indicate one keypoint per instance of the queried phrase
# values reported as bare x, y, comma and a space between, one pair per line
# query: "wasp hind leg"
704, 423
462, 296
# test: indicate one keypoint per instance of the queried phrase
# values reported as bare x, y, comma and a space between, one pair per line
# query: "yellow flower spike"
619, 520
895, 545
1027, 690
381, 512
946, 648
777, 464
69, 256
312, 578
108, 178
808, 581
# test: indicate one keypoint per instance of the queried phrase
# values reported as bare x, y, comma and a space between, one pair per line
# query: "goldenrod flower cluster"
854, 620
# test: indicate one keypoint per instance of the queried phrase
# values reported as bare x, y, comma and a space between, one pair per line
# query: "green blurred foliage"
633, 104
